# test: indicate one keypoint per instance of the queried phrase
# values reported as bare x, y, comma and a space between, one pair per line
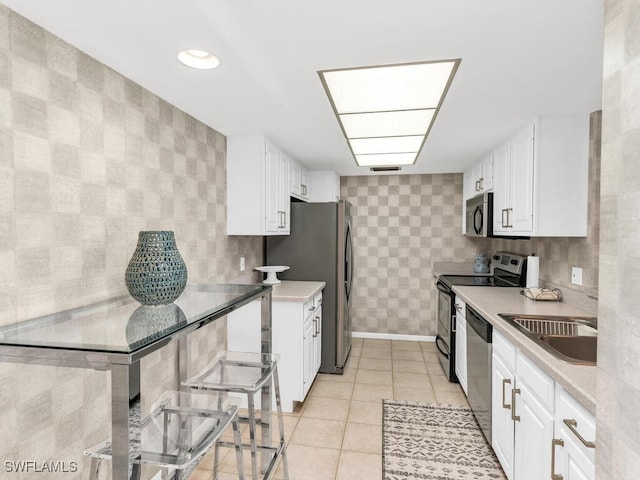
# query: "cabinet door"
570, 460
522, 157
533, 436
296, 178
501, 188
317, 340
307, 354
273, 189
487, 173
461, 351
284, 202
476, 177
304, 183
502, 427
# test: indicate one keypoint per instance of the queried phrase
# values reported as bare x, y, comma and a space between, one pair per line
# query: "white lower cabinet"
312, 342
532, 420
573, 446
296, 337
461, 343
502, 428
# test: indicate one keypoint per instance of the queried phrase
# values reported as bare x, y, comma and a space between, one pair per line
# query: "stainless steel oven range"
509, 270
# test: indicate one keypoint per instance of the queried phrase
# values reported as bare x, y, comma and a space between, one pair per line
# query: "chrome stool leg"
252, 436
238, 442
276, 387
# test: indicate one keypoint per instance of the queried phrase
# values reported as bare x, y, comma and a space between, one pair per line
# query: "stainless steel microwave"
479, 215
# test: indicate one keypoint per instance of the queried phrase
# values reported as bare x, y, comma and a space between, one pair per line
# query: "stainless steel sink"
570, 339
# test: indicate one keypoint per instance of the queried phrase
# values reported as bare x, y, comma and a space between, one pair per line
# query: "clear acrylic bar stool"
179, 430
247, 373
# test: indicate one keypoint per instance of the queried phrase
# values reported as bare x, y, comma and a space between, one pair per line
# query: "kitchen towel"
533, 271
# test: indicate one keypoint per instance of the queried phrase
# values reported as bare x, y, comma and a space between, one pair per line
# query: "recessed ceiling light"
198, 59
386, 112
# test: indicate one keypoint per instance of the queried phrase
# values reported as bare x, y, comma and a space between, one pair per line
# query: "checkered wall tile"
89, 158
402, 224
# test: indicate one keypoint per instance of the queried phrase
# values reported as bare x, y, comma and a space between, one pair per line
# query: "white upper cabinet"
479, 178
513, 193
299, 180
258, 187
541, 179
325, 186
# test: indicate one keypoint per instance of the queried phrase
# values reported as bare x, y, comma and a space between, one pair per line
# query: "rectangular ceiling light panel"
387, 124
381, 110
369, 146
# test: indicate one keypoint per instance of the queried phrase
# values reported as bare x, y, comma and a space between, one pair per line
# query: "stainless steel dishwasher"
479, 350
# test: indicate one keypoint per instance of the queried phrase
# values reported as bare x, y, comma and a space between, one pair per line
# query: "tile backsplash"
88, 158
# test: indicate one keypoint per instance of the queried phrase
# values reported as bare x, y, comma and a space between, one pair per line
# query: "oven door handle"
440, 339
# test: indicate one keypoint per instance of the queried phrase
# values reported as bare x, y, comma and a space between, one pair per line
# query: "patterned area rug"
434, 442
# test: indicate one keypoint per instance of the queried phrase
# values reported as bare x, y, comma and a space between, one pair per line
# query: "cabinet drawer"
505, 350
579, 419
539, 383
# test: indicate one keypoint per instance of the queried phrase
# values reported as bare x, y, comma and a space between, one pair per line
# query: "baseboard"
394, 336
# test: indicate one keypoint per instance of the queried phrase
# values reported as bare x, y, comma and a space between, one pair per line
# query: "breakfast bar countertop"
578, 380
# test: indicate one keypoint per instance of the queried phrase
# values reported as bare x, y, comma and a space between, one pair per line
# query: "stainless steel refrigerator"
320, 248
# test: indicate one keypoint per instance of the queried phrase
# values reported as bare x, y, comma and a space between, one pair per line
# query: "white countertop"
578, 380
295, 291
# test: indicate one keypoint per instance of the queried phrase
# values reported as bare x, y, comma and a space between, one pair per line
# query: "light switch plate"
576, 275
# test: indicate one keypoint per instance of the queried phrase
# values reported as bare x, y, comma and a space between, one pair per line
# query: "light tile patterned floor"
336, 434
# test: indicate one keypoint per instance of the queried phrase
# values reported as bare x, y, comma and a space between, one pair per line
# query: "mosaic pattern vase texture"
156, 274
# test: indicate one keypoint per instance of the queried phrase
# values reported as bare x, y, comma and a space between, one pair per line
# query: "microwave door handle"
477, 225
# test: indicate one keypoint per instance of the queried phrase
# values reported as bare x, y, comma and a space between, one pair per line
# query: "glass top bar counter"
115, 334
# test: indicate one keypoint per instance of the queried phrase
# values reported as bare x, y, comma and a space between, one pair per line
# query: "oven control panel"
510, 262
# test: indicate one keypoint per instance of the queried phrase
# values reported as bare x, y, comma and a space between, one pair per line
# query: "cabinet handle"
572, 424
514, 417
477, 185
283, 218
556, 442
304, 189
312, 308
458, 307
318, 326
453, 322
502, 212
315, 326
505, 381
509, 225
481, 180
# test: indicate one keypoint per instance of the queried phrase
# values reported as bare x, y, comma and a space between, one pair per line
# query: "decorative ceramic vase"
481, 264
156, 274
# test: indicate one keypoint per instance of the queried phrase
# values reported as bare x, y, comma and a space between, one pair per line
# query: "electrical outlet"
242, 265
576, 275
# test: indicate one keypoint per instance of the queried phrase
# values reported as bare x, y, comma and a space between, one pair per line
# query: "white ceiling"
520, 58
